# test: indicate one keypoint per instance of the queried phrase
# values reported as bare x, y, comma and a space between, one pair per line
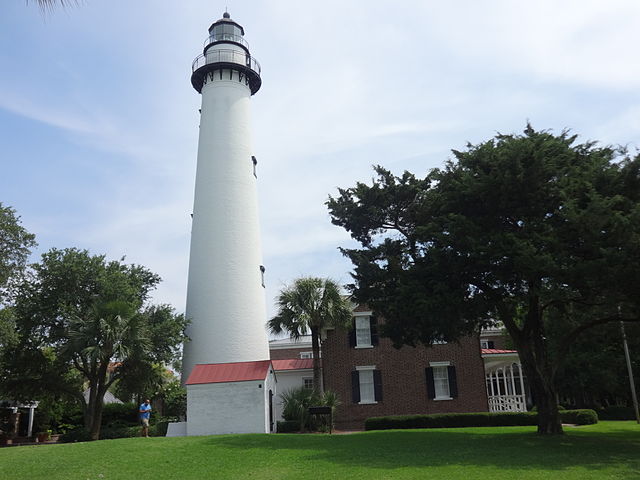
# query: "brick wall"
403, 378
286, 353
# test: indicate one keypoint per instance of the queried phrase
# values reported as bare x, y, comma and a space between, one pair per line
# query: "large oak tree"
522, 229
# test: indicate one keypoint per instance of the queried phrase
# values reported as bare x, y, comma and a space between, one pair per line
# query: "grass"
608, 450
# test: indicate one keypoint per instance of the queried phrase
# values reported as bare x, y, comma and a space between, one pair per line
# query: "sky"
99, 121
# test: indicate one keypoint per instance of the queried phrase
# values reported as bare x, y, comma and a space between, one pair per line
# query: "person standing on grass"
145, 414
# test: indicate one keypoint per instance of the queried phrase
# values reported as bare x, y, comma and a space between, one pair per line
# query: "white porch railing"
507, 403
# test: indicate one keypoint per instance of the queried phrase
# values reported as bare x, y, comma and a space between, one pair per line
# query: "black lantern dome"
226, 49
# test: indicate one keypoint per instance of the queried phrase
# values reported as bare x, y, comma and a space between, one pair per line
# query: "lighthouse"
226, 368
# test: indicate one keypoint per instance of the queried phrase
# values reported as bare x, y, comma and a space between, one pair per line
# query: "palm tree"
113, 332
308, 306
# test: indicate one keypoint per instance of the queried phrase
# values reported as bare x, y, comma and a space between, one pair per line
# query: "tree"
308, 306
522, 229
15, 246
94, 318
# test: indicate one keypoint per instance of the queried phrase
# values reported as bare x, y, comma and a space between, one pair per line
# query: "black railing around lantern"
220, 59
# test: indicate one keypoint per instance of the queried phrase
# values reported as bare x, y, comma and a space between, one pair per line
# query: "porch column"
491, 381
513, 381
30, 429
524, 395
504, 380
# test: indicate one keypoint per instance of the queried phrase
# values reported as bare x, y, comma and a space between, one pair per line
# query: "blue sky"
99, 122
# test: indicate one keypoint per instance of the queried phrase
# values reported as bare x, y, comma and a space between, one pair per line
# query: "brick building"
372, 378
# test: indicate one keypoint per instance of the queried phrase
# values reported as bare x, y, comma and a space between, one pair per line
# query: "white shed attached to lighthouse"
231, 398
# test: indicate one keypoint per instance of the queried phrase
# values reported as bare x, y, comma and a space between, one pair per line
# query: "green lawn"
609, 450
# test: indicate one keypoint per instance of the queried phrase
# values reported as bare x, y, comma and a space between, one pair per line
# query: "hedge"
81, 434
579, 417
616, 413
453, 420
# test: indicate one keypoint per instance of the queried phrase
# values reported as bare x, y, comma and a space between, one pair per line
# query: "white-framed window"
363, 332
307, 382
441, 381
366, 385
306, 354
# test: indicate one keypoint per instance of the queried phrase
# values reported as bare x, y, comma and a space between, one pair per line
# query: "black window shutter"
373, 326
431, 387
355, 386
490, 344
453, 382
352, 334
377, 385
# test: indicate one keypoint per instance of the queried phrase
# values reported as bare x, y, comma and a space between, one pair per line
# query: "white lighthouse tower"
225, 293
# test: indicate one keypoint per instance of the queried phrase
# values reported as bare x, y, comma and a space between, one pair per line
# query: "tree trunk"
98, 406
539, 377
90, 405
534, 355
315, 348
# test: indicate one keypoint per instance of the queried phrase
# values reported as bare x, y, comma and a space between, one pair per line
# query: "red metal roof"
292, 364
229, 372
494, 351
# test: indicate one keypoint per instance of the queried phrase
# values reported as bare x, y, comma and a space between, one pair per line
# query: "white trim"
363, 314
437, 399
363, 346
439, 364
366, 367
294, 370
367, 403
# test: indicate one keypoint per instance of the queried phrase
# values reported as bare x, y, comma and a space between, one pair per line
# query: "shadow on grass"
506, 448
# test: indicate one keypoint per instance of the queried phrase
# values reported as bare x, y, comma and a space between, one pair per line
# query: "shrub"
296, 403
579, 417
119, 415
120, 432
79, 434
288, 426
482, 419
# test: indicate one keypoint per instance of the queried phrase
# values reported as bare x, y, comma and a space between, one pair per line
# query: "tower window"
255, 166
262, 270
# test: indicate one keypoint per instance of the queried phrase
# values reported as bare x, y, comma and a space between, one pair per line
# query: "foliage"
482, 419
616, 412
529, 230
174, 396
288, 426
80, 316
585, 379
120, 414
310, 305
15, 246
606, 450
296, 403
583, 416
79, 434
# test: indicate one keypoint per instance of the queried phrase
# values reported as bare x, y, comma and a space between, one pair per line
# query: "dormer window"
487, 344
